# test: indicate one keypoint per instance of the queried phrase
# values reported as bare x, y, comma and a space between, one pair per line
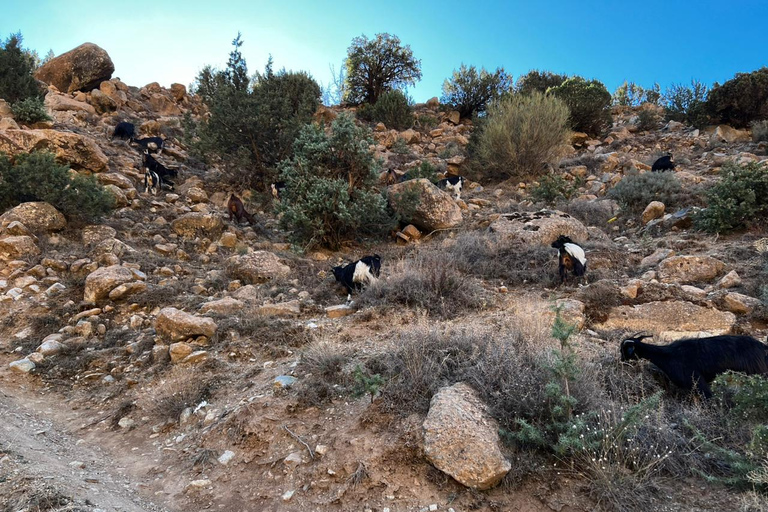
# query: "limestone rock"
678, 316
175, 325
724, 133
94, 234
657, 256
194, 224
436, 209
179, 351
127, 289
101, 102
178, 91
61, 103
36, 216
654, 210
739, 303
103, 280
539, 228
290, 308
730, 280
80, 69
339, 311
225, 306
256, 267
15, 247
462, 440
690, 269
79, 151
22, 365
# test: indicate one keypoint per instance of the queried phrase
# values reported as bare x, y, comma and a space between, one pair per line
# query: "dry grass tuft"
182, 387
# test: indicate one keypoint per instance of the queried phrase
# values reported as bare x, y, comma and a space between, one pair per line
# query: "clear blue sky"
668, 41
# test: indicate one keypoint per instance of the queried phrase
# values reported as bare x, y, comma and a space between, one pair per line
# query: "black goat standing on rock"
695, 362
571, 257
664, 163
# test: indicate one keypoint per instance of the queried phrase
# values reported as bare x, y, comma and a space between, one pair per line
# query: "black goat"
124, 130
454, 183
156, 175
695, 362
358, 273
571, 257
664, 163
151, 144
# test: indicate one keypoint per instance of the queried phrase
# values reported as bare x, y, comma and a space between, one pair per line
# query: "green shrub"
392, 109
37, 177
687, 103
30, 111
629, 95
331, 194
469, 90
588, 101
520, 134
375, 66
648, 119
759, 131
740, 100
554, 186
16, 65
540, 81
635, 191
739, 199
252, 126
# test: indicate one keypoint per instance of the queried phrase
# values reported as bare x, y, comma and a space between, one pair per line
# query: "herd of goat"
690, 364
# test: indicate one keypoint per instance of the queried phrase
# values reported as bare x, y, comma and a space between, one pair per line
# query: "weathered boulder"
178, 91
80, 69
675, 316
101, 102
61, 103
539, 228
103, 280
724, 133
435, 210
71, 148
15, 247
654, 210
690, 269
256, 267
462, 440
225, 306
290, 308
96, 233
194, 224
36, 216
175, 325
739, 303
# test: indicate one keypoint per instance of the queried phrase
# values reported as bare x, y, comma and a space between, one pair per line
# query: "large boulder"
15, 247
176, 325
690, 269
81, 69
670, 319
462, 440
103, 280
195, 224
435, 209
62, 103
539, 228
256, 267
36, 216
77, 150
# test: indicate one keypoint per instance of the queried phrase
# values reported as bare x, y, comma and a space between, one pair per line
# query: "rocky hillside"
219, 367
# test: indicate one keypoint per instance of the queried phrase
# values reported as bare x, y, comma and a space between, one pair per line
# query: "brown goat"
237, 210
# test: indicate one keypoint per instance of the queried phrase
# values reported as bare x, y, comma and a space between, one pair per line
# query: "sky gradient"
670, 41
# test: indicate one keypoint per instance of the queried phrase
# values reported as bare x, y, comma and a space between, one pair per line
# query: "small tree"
378, 65
740, 100
629, 95
589, 102
16, 65
331, 194
540, 81
687, 103
470, 90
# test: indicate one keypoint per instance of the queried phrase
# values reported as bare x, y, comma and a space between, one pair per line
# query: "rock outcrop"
539, 228
71, 148
176, 325
80, 69
36, 216
435, 209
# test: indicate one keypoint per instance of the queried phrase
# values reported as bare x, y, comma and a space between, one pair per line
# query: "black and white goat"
354, 276
453, 183
124, 130
664, 163
151, 144
571, 257
278, 188
695, 362
156, 175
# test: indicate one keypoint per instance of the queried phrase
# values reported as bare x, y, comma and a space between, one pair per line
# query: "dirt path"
46, 465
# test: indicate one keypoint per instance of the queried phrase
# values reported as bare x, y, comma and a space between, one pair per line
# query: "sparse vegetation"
648, 119
636, 190
687, 103
521, 133
739, 199
470, 91
759, 130
392, 108
588, 102
553, 186
740, 100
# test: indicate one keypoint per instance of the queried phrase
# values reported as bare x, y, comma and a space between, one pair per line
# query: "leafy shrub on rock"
469, 90
30, 110
37, 177
520, 133
331, 194
686, 103
392, 109
740, 100
740, 198
588, 101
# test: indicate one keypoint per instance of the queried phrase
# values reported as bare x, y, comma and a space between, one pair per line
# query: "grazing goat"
571, 257
151, 144
156, 175
359, 273
454, 183
695, 362
278, 188
124, 130
237, 210
664, 163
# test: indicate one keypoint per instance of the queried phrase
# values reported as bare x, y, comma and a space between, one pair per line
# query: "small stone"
126, 422
730, 280
22, 365
321, 449
284, 381
226, 457
287, 495
339, 311
293, 460
196, 485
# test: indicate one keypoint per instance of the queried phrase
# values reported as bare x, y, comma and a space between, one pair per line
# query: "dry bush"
184, 386
590, 213
428, 281
175, 293
274, 337
324, 366
589, 160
